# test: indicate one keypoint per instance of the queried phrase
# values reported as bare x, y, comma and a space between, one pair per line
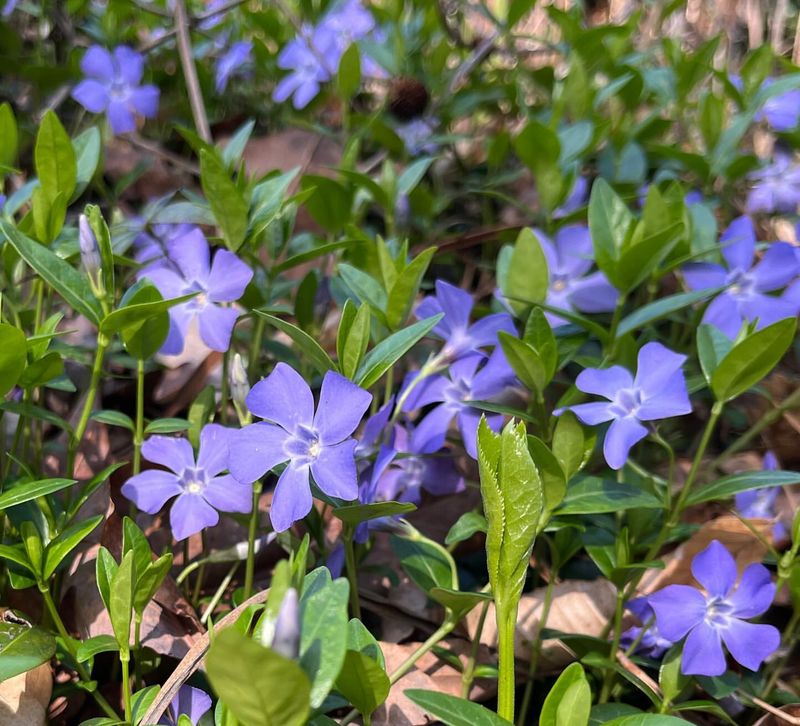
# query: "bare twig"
175, 159
776, 712
190, 72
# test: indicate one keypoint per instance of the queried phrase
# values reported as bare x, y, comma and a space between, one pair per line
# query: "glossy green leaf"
259, 686
571, 446
60, 546
712, 346
467, 525
406, 288
458, 602
525, 361
454, 711
426, 564
225, 199
348, 77
540, 149
42, 371
87, 146
751, 359
554, 480
360, 639
235, 146
744, 481
592, 495
527, 277
610, 222
143, 338
362, 681
26, 491
98, 644
412, 175
384, 355
167, 426
354, 338
114, 418
12, 357
55, 160
132, 316
23, 648
354, 514
9, 135
313, 350
661, 309
569, 701
330, 202
120, 601
365, 287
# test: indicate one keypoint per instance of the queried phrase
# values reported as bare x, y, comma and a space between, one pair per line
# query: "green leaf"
55, 160
43, 370
167, 426
554, 481
360, 639
148, 582
365, 287
539, 335
458, 602
12, 356
330, 202
362, 681
235, 146
454, 711
512, 502
23, 648
610, 222
114, 418
412, 175
426, 564
353, 337
323, 636
592, 495
670, 678
527, 277
540, 149
259, 687
16, 554
57, 273
751, 359
647, 719
87, 148
27, 491
570, 444
354, 514
313, 350
384, 355
106, 568
661, 309
93, 646
131, 317
143, 339
225, 199
517, 9
59, 547
9, 135
745, 481
569, 701
525, 361
348, 79
120, 601
467, 525
406, 287
712, 346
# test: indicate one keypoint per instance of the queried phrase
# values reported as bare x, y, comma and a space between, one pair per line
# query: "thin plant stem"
788, 641
506, 679
352, 572
137, 644
219, 593
124, 659
536, 652
79, 667
608, 679
225, 386
198, 583
138, 435
251, 543
83, 422
190, 72
468, 677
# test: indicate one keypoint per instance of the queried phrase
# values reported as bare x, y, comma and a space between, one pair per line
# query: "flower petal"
180, 318
190, 701
283, 397
750, 644
604, 381
144, 100
429, 307
484, 331
120, 117
429, 390
130, 64
621, 436
591, 413
715, 569
213, 454
493, 378
574, 247
702, 652
228, 278
767, 308
342, 405
173, 453
468, 421
592, 294
92, 95
778, 267
335, 470
255, 450
723, 313
292, 498
152, 489
431, 433
656, 365
703, 275
755, 592
216, 326
169, 283
678, 609
673, 400
190, 253
190, 514
228, 495
738, 243
98, 63
456, 304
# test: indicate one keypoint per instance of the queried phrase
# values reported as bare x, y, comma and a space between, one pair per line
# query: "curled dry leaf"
24, 698
783, 716
581, 607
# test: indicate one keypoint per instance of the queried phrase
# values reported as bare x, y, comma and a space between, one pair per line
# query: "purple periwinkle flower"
417, 135
782, 112
202, 490
90, 252
760, 503
370, 492
306, 56
112, 85
312, 443
471, 378
576, 199
776, 187
190, 270
658, 391
232, 61
348, 22
719, 616
191, 702
460, 337
569, 259
8, 7
650, 641
150, 244
745, 295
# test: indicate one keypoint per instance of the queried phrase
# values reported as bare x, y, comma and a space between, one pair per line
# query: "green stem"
138, 436
352, 572
125, 658
431, 366
137, 644
537, 651
442, 632
789, 636
83, 422
79, 667
608, 680
468, 676
506, 679
224, 395
251, 543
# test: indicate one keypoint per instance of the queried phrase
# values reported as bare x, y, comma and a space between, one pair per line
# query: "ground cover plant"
399, 362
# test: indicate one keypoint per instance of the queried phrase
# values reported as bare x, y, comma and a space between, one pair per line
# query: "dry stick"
190, 72
796, 49
779, 16
191, 661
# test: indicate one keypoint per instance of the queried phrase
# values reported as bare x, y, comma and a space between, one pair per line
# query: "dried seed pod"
408, 98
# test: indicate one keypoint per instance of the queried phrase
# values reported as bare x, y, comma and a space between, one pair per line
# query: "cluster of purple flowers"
775, 187
112, 85
760, 503
747, 286
313, 57
178, 262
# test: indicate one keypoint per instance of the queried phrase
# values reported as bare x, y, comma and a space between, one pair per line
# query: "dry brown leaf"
24, 698
783, 716
582, 607
734, 534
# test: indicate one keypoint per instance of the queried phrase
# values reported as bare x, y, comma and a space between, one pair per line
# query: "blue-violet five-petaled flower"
188, 268
718, 616
201, 488
112, 84
745, 297
658, 391
760, 503
649, 640
776, 187
190, 702
311, 443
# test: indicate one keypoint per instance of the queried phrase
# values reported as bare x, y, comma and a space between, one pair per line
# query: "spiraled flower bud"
240, 387
286, 639
90, 253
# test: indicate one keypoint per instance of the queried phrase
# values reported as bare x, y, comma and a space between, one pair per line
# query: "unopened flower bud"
240, 387
286, 640
90, 253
